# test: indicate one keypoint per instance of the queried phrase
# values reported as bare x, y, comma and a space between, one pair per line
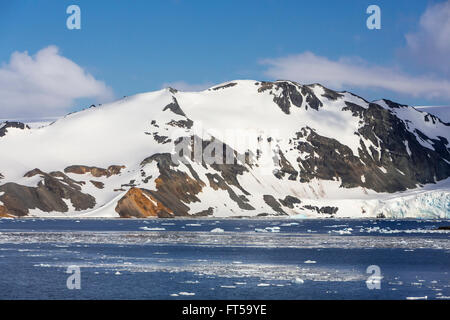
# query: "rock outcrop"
4, 213
54, 192
140, 203
4, 126
96, 172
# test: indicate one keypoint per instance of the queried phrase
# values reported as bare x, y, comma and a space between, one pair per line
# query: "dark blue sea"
224, 259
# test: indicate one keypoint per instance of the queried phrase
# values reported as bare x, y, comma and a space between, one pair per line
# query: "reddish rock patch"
96, 172
4, 213
141, 204
97, 184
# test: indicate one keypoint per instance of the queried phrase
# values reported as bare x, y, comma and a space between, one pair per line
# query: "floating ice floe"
152, 229
263, 285
310, 261
342, 231
186, 293
217, 230
417, 298
289, 224
268, 229
298, 281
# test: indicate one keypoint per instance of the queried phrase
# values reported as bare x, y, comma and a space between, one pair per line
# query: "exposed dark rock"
228, 85
273, 203
229, 173
173, 90
131, 184
265, 85
98, 184
311, 98
205, 213
357, 110
181, 123
161, 139
393, 105
289, 94
174, 188
330, 94
285, 168
388, 132
175, 107
217, 182
324, 210
289, 201
328, 210
47, 196
11, 124
331, 160
444, 228
96, 172
264, 214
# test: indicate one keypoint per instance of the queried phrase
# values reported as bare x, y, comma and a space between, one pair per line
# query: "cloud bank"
45, 84
353, 72
430, 44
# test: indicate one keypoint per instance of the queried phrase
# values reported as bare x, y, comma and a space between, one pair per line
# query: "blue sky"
138, 46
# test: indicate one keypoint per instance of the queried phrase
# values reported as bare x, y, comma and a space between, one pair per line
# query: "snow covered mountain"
242, 148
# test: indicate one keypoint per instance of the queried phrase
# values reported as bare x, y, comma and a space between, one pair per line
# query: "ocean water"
224, 259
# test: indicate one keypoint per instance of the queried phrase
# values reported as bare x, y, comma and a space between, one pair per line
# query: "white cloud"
430, 45
184, 86
354, 72
45, 84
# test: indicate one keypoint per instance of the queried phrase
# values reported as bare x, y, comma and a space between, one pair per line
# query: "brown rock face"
174, 188
48, 196
141, 204
98, 184
96, 172
4, 213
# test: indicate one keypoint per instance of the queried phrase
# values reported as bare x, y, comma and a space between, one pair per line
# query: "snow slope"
442, 112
